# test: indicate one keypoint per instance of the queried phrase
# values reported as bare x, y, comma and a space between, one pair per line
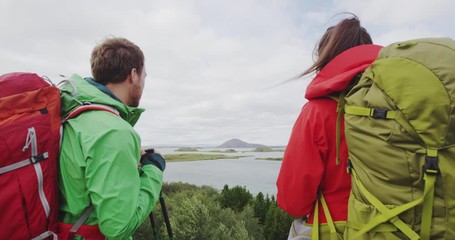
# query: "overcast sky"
213, 65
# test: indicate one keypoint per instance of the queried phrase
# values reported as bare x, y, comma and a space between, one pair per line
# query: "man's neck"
119, 90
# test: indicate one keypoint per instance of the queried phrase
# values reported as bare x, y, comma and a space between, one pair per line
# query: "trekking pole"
166, 217
152, 222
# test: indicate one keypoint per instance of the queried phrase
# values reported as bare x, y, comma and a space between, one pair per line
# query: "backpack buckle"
379, 113
35, 159
431, 165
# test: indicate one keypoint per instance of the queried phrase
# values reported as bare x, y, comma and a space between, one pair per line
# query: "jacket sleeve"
122, 196
303, 165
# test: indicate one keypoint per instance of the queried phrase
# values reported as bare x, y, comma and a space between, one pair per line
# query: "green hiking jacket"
99, 160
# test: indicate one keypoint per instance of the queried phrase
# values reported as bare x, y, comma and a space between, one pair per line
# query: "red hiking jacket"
309, 161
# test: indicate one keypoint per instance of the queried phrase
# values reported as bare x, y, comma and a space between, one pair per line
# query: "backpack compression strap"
387, 214
391, 215
431, 170
30, 143
370, 112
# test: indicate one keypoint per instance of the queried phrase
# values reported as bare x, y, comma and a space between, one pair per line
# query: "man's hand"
150, 156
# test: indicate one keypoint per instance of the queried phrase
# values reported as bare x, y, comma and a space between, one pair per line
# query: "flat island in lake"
186, 149
185, 154
271, 159
184, 157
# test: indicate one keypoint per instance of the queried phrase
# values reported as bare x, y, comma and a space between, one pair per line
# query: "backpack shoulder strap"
339, 98
70, 230
340, 109
330, 223
88, 107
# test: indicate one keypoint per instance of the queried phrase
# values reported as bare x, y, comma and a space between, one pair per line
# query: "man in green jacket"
102, 164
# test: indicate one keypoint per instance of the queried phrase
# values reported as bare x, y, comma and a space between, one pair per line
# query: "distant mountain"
237, 143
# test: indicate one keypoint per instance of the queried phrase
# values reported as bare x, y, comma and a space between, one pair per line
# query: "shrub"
205, 213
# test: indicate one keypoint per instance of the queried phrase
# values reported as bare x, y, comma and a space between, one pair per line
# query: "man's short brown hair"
114, 58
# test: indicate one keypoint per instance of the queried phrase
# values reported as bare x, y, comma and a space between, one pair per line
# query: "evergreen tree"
253, 226
260, 207
236, 198
277, 223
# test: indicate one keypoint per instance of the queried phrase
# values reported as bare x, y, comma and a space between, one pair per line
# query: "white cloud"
211, 64
395, 20
398, 12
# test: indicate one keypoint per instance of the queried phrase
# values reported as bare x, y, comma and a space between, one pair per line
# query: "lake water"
256, 175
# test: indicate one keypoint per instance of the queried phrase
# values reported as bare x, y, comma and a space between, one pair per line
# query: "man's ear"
133, 76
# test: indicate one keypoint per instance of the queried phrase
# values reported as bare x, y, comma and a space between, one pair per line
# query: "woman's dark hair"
346, 34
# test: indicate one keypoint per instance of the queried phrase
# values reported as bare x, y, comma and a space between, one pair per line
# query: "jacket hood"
77, 90
338, 73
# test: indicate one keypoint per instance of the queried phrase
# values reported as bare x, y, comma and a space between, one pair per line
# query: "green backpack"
400, 132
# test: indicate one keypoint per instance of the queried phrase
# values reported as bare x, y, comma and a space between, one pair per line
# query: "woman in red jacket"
312, 166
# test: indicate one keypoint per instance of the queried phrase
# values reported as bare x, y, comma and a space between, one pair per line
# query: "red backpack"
30, 135
29, 146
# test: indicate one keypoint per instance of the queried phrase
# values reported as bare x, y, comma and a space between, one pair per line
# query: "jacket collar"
338, 73
86, 90
102, 88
